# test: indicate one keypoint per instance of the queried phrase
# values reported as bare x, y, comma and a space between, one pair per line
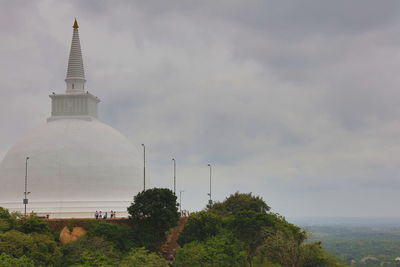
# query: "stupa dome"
76, 164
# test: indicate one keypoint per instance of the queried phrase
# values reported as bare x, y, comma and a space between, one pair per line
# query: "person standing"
96, 214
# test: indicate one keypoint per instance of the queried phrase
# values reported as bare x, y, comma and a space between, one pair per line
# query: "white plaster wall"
74, 165
92, 107
74, 105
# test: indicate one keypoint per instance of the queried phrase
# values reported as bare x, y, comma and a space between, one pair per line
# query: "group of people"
99, 215
185, 213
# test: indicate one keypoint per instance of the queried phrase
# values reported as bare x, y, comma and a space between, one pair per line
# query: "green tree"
244, 215
223, 250
9, 261
152, 214
32, 224
95, 251
252, 228
41, 248
313, 254
7, 220
239, 202
193, 254
200, 226
282, 247
4, 226
5, 214
122, 236
140, 257
93, 259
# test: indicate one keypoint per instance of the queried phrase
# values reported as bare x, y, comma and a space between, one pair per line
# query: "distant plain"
354, 239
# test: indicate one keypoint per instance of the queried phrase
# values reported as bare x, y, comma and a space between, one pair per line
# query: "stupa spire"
76, 26
75, 73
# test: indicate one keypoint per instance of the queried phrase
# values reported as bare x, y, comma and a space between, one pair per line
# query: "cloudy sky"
296, 101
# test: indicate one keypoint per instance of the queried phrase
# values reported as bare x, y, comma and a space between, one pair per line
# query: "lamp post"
26, 185
144, 167
180, 201
174, 175
210, 200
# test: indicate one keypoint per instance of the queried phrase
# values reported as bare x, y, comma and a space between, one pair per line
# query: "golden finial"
75, 25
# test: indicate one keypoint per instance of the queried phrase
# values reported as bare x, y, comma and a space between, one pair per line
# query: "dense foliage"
121, 236
28, 242
222, 250
42, 249
32, 224
95, 251
239, 202
257, 237
238, 232
142, 258
152, 214
7, 220
98, 252
201, 226
9, 261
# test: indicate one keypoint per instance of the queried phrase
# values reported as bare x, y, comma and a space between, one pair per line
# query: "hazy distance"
295, 101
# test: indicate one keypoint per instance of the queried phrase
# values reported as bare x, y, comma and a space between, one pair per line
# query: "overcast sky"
295, 101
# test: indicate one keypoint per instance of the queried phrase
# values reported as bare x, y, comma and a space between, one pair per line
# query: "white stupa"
76, 164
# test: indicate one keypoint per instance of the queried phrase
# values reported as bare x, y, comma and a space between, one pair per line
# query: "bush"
33, 224
7, 220
252, 228
193, 254
95, 251
140, 257
313, 254
42, 249
239, 202
200, 226
121, 236
5, 214
223, 250
9, 261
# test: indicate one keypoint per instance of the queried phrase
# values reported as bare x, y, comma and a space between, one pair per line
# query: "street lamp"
174, 175
210, 200
180, 201
26, 193
144, 167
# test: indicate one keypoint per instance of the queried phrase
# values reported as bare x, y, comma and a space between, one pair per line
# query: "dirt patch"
67, 236
169, 247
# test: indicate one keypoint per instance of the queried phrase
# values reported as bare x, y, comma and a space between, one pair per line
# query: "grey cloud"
295, 101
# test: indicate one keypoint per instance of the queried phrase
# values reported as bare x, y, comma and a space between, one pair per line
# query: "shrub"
140, 257
7, 220
33, 224
42, 249
239, 202
95, 251
9, 261
121, 236
223, 250
200, 226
